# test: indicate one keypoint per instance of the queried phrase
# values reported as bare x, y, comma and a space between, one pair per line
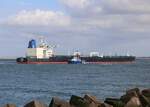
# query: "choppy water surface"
20, 84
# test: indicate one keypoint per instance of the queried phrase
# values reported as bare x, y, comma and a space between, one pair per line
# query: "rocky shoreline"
132, 98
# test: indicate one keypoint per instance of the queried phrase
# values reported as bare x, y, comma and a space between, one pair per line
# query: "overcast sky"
107, 26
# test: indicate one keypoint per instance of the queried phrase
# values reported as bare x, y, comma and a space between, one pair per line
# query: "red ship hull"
127, 62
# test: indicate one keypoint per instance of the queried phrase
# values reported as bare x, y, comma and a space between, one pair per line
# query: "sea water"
20, 83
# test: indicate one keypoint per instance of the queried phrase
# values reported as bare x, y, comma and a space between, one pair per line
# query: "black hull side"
109, 59
66, 59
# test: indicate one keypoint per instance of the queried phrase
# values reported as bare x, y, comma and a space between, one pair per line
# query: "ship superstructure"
41, 51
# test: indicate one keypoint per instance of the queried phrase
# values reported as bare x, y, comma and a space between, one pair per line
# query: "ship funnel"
32, 44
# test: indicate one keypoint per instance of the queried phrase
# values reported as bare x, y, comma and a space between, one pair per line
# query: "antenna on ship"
128, 54
42, 39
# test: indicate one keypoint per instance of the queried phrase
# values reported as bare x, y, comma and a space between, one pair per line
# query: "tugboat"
76, 59
44, 54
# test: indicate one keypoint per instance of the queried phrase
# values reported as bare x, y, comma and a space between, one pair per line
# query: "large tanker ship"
43, 54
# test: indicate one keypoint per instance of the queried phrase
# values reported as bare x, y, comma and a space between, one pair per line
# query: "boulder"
35, 103
136, 90
114, 102
91, 98
146, 92
133, 102
129, 94
56, 102
105, 105
9, 105
93, 102
144, 101
78, 101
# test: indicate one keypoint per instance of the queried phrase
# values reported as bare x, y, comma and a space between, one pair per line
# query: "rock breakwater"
132, 98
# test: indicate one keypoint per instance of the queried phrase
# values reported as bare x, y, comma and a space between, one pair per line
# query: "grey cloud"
107, 6
124, 15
